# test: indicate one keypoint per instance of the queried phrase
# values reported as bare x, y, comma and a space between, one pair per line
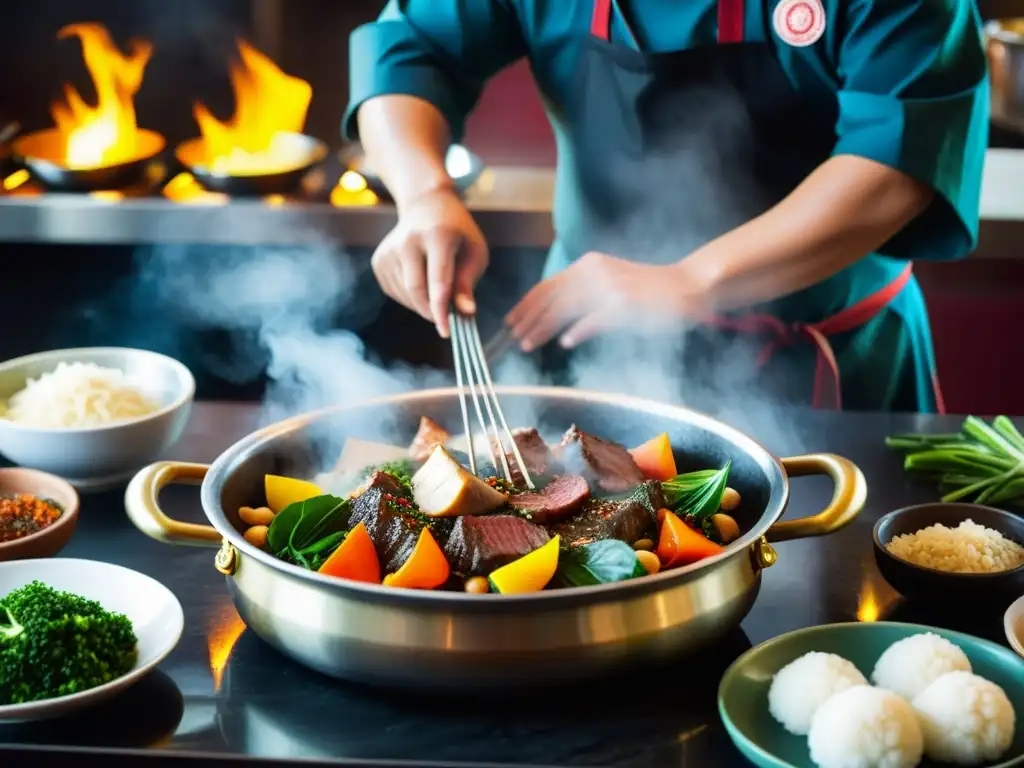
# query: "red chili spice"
24, 514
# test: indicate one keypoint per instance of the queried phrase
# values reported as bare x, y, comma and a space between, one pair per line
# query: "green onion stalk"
983, 463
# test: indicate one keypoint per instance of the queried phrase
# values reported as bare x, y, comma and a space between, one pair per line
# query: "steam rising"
278, 304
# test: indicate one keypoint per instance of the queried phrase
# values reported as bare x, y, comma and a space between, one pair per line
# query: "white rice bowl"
866, 727
801, 687
910, 665
965, 719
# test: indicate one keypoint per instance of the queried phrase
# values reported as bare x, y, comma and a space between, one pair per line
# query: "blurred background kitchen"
84, 267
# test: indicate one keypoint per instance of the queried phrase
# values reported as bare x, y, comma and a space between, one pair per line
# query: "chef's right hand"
433, 257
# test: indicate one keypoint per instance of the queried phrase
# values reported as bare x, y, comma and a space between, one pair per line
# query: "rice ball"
912, 664
803, 685
865, 727
965, 719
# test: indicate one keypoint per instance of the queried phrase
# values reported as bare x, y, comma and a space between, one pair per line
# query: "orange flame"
269, 105
106, 134
224, 632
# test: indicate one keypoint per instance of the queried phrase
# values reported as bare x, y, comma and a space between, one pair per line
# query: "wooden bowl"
50, 540
960, 591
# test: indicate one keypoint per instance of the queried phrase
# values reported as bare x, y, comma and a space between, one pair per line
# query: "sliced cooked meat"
427, 436
480, 544
393, 528
609, 464
385, 481
629, 519
560, 498
535, 452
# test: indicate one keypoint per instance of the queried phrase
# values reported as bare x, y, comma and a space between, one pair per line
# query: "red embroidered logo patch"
799, 22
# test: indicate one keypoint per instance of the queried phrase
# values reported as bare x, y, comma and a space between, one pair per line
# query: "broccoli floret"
54, 643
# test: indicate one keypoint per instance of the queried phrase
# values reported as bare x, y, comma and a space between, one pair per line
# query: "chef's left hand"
601, 293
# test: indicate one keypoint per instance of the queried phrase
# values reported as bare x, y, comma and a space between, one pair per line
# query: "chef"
766, 169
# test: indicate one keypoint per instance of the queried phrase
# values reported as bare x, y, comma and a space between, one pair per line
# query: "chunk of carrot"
355, 558
655, 458
679, 544
425, 568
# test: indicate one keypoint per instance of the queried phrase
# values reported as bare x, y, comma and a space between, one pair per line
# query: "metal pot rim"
238, 453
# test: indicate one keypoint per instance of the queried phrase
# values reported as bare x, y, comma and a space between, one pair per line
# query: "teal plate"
743, 692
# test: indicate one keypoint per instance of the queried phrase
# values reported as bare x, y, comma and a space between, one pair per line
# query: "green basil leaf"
601, 562
281, 527
321, 516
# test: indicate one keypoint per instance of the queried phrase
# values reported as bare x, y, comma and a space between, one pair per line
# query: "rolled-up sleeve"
915, 96
442, 51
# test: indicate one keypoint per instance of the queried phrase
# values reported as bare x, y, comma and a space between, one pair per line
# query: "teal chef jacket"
903, 80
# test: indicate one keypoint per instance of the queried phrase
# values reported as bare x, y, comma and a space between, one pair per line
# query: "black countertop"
224, 692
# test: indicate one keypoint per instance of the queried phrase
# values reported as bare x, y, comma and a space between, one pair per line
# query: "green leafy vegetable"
321, 516
680, 485
984, 463
601, 562
303, 524
697, 494
281, 527
55, 643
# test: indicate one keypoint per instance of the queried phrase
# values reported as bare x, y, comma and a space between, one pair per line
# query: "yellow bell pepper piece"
530, 573
282, 491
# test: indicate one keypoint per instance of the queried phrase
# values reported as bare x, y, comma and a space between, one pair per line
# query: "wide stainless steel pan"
453, 640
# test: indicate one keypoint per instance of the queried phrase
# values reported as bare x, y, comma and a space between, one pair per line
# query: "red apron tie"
827, 392
730, 20
601, 21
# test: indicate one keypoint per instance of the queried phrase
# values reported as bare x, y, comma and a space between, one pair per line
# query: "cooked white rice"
801, 687
965, 719
968, 548
864, 726
77, 395
910, 665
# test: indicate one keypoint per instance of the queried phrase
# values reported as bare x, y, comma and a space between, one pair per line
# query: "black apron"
667, 151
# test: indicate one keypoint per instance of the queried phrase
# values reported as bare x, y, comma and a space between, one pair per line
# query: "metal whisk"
473, 373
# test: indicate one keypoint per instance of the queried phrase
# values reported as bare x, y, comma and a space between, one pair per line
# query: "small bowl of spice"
38, 513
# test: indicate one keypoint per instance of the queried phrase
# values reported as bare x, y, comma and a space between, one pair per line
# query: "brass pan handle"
141, 501
851, 490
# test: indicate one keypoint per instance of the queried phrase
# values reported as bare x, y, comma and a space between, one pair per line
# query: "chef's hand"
432, 258
600, 293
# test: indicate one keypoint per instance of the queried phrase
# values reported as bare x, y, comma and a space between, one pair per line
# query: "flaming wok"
453, 639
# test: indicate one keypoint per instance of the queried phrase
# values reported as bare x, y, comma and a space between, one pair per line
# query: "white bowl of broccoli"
74, 633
